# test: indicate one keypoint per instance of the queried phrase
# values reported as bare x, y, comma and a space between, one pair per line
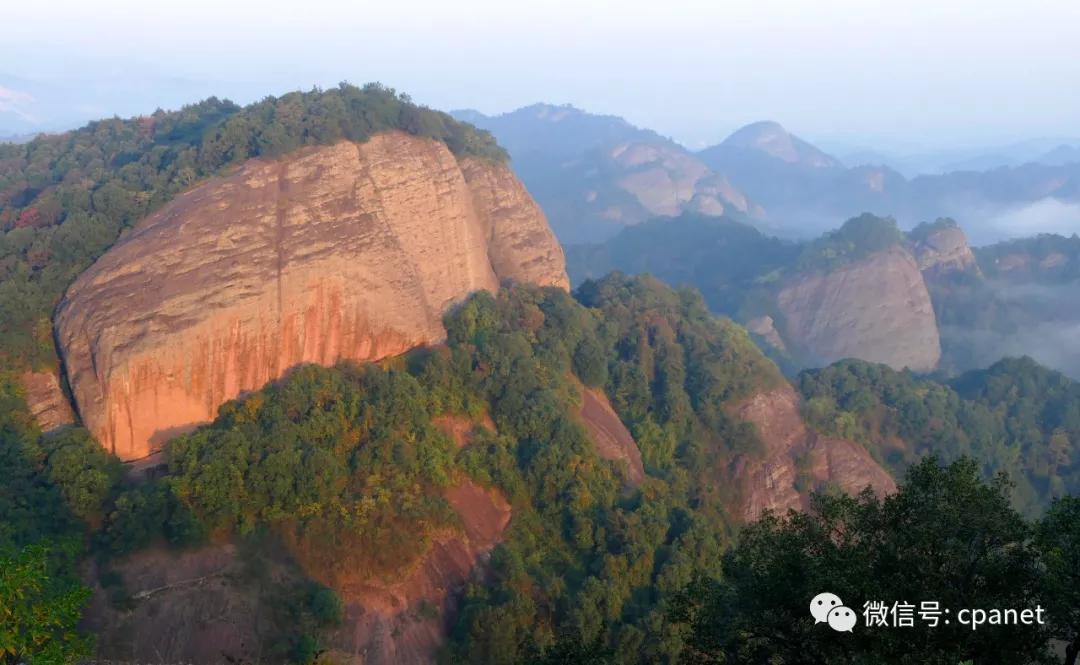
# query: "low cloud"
16, 101
1049, 215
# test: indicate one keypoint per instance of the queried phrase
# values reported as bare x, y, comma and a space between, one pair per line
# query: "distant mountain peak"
770, 138
552, 112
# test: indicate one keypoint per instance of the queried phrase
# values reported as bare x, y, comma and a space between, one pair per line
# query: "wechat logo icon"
828, 608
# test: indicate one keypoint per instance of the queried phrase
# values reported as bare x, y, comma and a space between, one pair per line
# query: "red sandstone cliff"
351, 251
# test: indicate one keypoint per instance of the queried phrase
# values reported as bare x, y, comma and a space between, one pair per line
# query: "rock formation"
876, 309
943, 252
765, 328
405, 621
795, 459
46, 400
351, 251
609, 435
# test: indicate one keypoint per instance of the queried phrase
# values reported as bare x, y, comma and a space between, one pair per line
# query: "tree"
1057, 537
946, 536
39, 610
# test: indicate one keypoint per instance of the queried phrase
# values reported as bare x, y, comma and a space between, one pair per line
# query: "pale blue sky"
907, 74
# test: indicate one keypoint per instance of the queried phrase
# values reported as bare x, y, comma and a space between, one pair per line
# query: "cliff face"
46, 400
350, 251
944, 252
876, 309
797, 460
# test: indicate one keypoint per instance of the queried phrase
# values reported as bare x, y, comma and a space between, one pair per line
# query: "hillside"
1015, 417
348, 479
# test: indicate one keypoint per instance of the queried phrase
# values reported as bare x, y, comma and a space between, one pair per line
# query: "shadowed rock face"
877, 309
351, 251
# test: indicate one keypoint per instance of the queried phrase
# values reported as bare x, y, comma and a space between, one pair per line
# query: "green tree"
39, 609
1058, 540
946, 536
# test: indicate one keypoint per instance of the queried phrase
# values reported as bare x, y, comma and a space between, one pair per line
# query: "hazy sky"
899, 74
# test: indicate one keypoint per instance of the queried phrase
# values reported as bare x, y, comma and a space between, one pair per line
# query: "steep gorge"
348, 251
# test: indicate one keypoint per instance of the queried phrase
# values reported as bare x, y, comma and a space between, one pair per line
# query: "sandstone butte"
877, 309
349, 251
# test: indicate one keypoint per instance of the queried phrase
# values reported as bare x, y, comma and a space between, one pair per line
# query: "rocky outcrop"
46, 400
795, 460
876, 309
350, 251
945, 251
765, 328
609, 435
405, 621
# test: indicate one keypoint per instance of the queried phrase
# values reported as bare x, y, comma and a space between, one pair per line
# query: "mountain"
188, 279
557, 131
348, 251
804, 189
771, 140
594, 175
1061, 155
1019, 299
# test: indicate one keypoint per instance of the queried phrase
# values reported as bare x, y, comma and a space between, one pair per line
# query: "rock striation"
876, 309
350, 251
